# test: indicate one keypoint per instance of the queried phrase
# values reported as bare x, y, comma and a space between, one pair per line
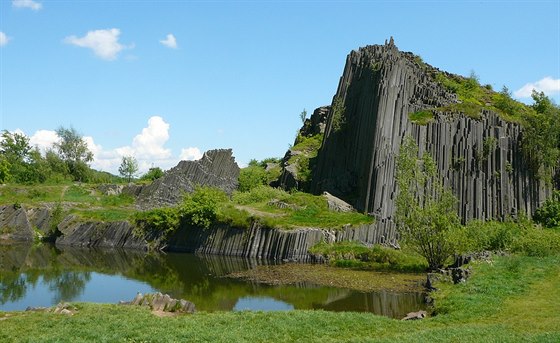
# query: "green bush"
251, 177
549, 213
537, 242
492, 235
160, 220
200, 208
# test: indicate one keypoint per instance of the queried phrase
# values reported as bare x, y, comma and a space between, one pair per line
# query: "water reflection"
29, 273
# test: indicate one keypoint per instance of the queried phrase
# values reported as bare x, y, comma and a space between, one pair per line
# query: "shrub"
251, 177
537, 242
200, 208
152, 174
549, 213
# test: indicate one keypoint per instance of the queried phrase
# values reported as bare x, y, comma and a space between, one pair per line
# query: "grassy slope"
514, 299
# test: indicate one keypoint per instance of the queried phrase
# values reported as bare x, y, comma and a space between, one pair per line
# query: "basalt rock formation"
369, 118
299, 159
217, 168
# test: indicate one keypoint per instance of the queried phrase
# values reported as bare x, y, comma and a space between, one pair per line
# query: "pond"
45, 275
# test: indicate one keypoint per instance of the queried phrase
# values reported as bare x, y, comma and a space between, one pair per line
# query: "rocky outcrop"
369, 119
275, 244
14, 224
78, 233
300, 158
162, 302
217, 168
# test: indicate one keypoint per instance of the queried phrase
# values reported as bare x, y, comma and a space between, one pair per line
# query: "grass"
421, 117
308, 147
85, 200
513, 299
473, 100
302, 209
357, 255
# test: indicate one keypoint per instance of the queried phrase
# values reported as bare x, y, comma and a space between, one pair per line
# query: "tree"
541, 136
73, 150
15, 147
425, 216
19, 162
303, 115
128, 167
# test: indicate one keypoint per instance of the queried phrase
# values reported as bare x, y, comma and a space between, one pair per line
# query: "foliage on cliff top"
259, 173
304, 152
271, 207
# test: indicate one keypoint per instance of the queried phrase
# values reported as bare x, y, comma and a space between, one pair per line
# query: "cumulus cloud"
3, 39
34, 5
548, 85
104, 43
190, 154
149, 143
44, 139
169, 41
148, 147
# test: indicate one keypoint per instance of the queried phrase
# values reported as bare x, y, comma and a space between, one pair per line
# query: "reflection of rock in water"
220, 265
394, 305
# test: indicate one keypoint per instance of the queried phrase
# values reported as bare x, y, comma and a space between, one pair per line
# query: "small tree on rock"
128, 167
426, 217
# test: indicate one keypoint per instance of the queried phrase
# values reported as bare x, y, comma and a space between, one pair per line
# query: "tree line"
67, 159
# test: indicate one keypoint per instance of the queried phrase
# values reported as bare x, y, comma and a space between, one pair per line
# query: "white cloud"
149, 143
34, 5
190, 154
548, 85
169, 41
44, 139
104, 43
148, 147
3, 39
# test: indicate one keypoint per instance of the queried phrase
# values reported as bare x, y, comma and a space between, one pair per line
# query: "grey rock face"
261, 242
217, 168
98, 234
380, 86
337, 205
14, 224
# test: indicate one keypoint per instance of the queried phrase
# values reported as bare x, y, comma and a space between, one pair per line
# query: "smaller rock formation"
217, 168
62, 308
416, 315
336, 204
158, 302
14, 224
297, 163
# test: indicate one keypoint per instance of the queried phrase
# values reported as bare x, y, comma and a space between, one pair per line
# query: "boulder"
336, 204
162, 302
416, 315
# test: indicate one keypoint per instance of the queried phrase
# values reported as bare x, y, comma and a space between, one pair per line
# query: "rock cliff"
369, 118
217, 168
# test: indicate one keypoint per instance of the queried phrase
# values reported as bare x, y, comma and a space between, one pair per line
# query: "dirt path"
256, 212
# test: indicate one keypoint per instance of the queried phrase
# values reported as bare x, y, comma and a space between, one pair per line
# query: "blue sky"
240, 72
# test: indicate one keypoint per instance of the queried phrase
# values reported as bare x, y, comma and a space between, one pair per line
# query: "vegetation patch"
421, 117
361, 280
357, 255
